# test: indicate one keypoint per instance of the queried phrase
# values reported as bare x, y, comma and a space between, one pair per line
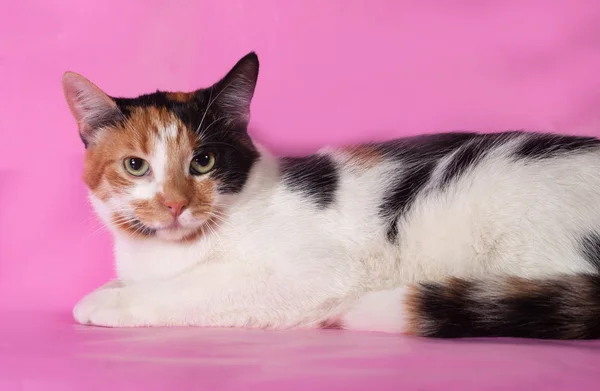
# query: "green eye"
136, 166
202, 163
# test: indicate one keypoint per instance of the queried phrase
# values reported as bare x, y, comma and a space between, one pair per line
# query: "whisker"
205, 110
219, 218
205, 130
121, 219
210, 102
98, 230
213, 232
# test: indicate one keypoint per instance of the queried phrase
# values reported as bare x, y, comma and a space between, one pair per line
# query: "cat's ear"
90, 106
233, 93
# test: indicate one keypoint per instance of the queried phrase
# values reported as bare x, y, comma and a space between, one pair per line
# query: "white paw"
104, 307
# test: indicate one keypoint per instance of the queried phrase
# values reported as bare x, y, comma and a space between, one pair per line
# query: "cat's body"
362, 237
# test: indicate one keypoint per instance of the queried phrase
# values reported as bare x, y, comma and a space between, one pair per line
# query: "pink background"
332, 71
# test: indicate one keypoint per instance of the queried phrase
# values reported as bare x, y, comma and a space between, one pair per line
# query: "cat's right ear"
90, 106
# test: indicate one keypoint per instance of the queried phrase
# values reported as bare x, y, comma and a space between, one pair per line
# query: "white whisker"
210, 102
205, 111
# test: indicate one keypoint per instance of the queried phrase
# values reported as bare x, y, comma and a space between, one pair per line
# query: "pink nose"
175, 206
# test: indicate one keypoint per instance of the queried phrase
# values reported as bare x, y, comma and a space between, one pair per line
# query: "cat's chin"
177, 234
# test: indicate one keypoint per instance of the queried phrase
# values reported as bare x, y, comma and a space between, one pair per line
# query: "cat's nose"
175, 206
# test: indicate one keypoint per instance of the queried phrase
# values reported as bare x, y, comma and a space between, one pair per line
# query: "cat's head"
162, 165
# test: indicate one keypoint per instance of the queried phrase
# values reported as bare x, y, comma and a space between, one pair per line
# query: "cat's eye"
136, 166
202, 163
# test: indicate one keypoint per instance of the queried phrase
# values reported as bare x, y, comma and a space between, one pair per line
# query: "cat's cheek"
102, 209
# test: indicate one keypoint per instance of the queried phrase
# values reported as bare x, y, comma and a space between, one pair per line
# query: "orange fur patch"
179, 96
151, 210
364, 155
455, 287
414, 309
93, 167
126, 225
518, 287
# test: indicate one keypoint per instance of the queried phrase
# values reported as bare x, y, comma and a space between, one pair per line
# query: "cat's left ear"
90, 106
233, 93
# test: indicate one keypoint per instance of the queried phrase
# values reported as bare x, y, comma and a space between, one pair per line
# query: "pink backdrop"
331, 71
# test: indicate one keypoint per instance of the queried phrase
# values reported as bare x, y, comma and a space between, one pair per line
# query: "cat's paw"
106, 307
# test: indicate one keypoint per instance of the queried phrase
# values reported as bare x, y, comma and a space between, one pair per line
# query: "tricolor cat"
445, 235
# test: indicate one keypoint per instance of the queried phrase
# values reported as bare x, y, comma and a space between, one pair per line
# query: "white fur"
170, 131
383, 311
277, 261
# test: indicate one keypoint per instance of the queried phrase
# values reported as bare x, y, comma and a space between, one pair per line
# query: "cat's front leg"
151, 303
211, 295
105, 303
103, 297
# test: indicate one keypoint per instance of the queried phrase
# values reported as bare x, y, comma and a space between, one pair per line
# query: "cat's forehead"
180, 104
188, 107
176, 117
148, 128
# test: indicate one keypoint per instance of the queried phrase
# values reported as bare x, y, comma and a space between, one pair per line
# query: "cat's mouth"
174, 226
173, 231
141, 228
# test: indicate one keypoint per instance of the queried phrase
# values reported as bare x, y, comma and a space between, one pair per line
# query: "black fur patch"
544, 146
420, 155
314, 176
189, 112
235, 159
425, 147
470, 154
461, 313
590, 247
401, 196
566, 308
445, 308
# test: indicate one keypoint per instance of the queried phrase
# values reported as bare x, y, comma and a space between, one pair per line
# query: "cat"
449, 235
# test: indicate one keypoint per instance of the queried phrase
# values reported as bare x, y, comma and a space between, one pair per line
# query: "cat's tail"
566, 307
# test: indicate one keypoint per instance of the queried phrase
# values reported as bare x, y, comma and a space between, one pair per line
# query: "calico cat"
444, 235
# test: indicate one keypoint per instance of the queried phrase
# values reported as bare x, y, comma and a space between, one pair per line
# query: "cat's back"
457, 203
508, 202
397, 175
441, 204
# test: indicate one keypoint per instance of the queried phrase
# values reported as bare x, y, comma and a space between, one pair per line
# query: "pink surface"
48, 352
332, 71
